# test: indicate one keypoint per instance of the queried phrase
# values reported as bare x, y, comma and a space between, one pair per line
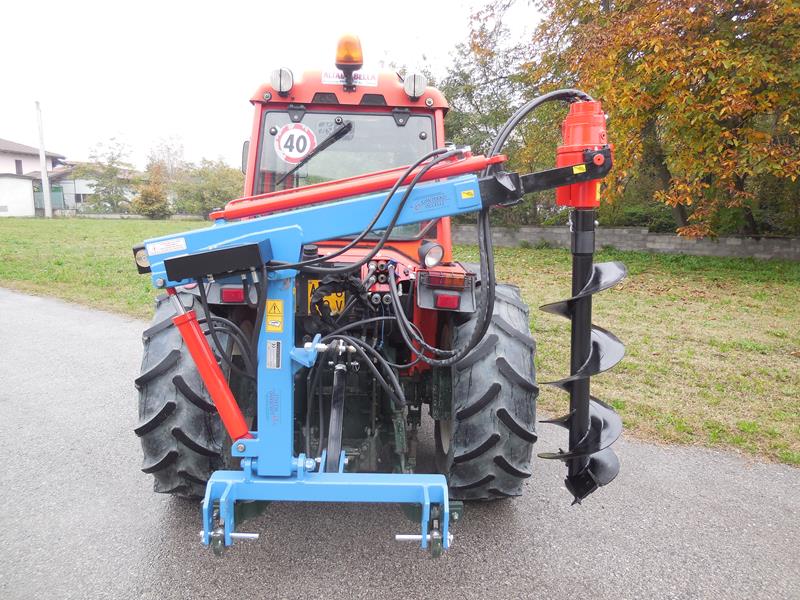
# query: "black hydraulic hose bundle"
239, 336
218, 323
395, 390
306, 265
420, 350
486, 300
392, 387
389, 228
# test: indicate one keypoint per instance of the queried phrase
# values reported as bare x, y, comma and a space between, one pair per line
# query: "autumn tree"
152, 200
169, 154
481, 85
707, 92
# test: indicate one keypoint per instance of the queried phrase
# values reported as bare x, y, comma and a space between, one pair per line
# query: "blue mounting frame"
270, 471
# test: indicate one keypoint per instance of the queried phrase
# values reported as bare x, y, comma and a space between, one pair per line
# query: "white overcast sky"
147, 71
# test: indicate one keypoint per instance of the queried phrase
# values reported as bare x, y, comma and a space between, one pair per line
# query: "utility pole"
48, 205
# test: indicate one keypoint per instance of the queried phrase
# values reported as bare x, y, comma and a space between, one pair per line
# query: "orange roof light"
348, 53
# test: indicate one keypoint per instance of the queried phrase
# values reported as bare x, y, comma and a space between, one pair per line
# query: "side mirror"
245, 152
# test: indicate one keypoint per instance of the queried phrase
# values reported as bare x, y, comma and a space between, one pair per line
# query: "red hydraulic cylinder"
344, 188
212, 375
584, 128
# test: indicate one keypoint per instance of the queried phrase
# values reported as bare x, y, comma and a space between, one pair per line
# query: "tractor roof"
372, 88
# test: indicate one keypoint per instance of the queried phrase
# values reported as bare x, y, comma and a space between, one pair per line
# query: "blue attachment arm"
271, 471
289, 231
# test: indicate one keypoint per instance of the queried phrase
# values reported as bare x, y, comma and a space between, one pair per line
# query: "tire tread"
494, 405
180, 431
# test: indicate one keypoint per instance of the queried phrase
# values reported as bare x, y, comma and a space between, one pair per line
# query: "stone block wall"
638, 238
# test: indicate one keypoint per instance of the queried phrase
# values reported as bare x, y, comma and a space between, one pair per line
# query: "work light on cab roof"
349, 58
282, 81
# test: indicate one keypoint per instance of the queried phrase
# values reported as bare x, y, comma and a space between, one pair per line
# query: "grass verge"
713, 344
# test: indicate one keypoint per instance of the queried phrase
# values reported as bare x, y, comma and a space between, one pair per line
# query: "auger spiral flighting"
593, 425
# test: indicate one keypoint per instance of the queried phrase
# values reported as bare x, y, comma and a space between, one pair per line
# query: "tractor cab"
334, 124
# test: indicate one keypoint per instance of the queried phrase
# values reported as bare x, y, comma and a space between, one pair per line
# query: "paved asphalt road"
79, 520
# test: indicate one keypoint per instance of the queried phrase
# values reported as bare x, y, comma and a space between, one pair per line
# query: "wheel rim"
445, 430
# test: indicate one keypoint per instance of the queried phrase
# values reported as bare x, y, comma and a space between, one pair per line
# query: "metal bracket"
401, 116
296, 112
307, 355
225, 488
507, 189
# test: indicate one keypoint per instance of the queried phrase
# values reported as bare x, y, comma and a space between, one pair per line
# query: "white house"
16, 189
68, 191
16, 196
19, 159
21, 182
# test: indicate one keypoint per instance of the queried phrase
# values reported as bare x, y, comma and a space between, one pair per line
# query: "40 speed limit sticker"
293, 142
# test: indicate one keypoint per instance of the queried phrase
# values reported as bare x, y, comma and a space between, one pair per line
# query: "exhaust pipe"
593, 425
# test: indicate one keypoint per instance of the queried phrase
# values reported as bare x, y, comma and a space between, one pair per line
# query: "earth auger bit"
593, 425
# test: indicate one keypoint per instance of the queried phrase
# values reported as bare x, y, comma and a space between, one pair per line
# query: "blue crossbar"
228, 487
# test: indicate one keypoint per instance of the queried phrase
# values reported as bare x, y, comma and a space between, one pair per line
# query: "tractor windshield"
374, 143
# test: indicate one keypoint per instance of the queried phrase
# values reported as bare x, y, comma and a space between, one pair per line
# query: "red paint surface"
345, 188
584, 128
212, 375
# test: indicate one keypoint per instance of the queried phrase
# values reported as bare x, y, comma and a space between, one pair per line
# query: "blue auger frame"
270, 470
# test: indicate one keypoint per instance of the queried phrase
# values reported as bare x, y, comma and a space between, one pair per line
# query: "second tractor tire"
485, 447
182, 436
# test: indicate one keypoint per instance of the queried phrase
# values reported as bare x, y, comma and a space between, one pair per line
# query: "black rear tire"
485, 447
183, 439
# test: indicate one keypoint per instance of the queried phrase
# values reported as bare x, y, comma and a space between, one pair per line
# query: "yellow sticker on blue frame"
274, 318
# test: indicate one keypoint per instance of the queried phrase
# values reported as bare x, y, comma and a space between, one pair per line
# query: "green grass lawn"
713, 345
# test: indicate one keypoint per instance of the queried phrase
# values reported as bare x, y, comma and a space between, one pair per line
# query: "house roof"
67, 171
14, 176
56, 174
10, 147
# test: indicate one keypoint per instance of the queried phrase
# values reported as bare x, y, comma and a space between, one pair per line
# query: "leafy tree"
169, 154
484, 86
708, 92
200, 189
481, 85
152, 200
113, 177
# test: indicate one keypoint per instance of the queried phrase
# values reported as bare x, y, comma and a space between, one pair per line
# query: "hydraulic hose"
395, 394
388, 231
486, 301
213, 330
235, 331
566, 94
314, 261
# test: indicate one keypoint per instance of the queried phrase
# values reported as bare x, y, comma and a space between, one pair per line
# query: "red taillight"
446, 300
233, 294
443, 279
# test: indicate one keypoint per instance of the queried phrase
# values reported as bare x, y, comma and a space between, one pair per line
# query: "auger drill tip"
593, 425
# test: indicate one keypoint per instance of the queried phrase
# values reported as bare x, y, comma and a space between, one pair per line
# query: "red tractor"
393, 296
